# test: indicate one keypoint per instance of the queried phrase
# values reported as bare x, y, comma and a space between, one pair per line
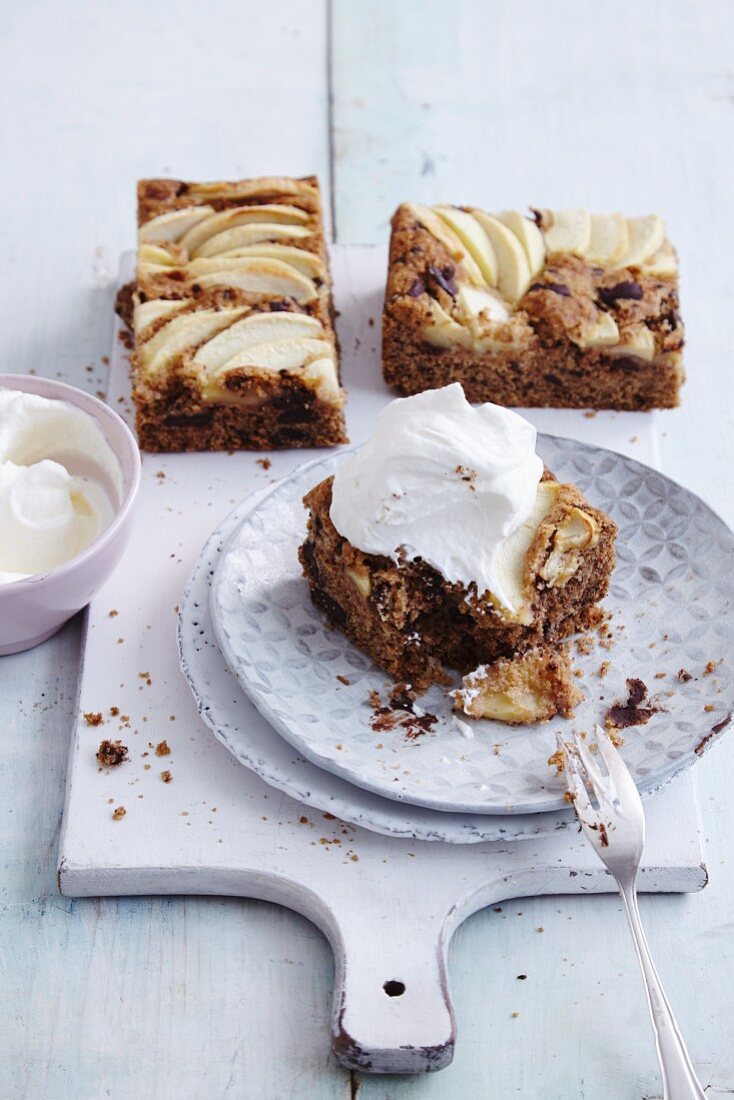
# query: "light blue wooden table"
625, 106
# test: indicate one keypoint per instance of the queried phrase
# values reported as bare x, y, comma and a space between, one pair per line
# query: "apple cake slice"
233, 318
529, 687
444, 542
564, 308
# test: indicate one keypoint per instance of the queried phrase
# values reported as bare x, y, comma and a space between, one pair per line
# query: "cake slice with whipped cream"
444, 541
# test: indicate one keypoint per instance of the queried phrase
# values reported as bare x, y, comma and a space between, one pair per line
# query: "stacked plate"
293, 699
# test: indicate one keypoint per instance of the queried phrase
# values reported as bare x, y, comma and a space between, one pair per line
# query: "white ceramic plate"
671, 604
242, 729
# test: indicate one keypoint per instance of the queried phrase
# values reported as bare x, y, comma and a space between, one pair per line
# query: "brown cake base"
546, 376
412, 622
294, 418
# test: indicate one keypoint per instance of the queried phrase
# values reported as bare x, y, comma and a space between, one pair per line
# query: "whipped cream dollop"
60, 483
442, 481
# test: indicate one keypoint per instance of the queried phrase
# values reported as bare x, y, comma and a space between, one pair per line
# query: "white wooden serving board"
388, 906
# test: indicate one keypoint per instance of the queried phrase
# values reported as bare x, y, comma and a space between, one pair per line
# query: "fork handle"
679, 1078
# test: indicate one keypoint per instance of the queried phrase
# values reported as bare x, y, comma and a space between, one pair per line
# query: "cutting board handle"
392, 1009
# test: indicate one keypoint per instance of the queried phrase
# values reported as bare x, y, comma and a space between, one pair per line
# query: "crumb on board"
604, 669
344, 680
114, 711
166, 776
264, 462
118, 813
711, 667
145, 676
111, 614
111, 753
93, 717
162, 749
684, 676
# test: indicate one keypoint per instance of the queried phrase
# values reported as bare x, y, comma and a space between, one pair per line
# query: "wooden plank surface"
627, 105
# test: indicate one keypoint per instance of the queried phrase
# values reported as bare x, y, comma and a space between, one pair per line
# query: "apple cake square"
233, 318
564, 308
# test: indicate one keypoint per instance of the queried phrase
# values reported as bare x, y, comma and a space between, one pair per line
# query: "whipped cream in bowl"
446, 482
69, 475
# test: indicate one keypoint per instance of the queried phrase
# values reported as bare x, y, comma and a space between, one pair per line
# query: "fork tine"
624, 784
574, 778
598, 781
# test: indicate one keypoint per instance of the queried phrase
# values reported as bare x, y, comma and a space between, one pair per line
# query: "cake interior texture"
414, 623
232, 316
562, 309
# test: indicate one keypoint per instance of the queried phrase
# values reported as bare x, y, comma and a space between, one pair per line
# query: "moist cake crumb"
119, 813
93, 718
162, 749
636, 711
112, 753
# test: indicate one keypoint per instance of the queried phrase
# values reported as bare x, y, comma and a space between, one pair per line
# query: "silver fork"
616, 830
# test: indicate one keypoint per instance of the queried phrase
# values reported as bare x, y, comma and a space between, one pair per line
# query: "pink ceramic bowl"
33, 609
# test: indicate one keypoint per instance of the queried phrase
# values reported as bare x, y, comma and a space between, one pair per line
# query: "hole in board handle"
394, 989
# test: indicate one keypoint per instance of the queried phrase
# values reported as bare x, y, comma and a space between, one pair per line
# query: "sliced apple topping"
509, 563
567, 230
578, 532
609, 239
256, 328
252, 233
313, 359
270, 213
440, 229
481, 308
471, 234
646, 235
264, 276
165, 254
662, 263
308, 263
145, 313
529, 237
265, 187
601, 333
514, 273
637, 340
180, 334
443, 331
172, 225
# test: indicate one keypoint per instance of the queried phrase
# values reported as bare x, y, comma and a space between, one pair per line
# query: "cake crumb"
112, 753
145, 676
114, 711
557, 761
166, 777
709, 707
93, 717
111, 614
344, 680
264, 462
604, 669
636, 711
710, 667
684, 676
162, 749
119, 813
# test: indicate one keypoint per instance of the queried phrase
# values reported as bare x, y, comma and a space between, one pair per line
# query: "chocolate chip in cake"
444, 276
557, 288
624, 290
418, 288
